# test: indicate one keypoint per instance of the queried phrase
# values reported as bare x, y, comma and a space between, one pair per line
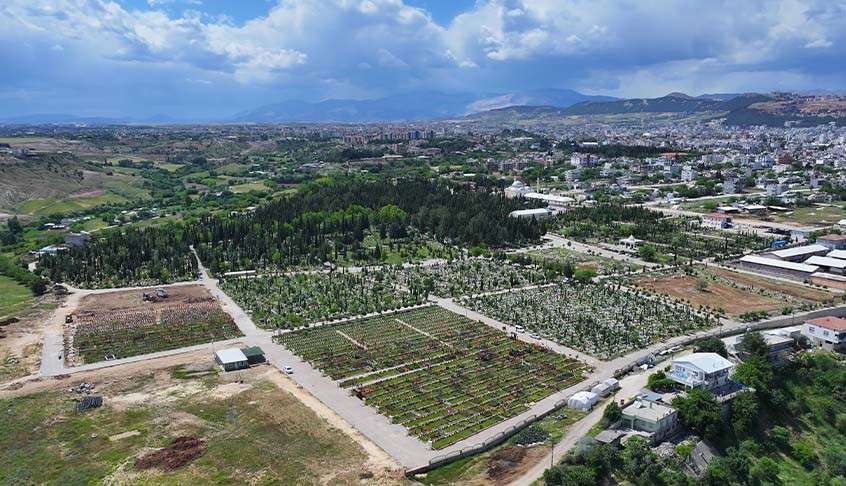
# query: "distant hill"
62, 119
672, 103
412, 106
777, 109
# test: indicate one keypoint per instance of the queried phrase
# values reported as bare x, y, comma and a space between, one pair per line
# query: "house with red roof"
828, 333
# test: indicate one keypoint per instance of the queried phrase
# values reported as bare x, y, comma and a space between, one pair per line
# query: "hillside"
46, 184
411, 106
785, 109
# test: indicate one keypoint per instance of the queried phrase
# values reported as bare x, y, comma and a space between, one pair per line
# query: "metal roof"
707, 362
772, 262
826, 262
231, 355
837, 254
800, 250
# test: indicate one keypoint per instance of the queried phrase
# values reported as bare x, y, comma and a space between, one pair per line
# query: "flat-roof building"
832, 242
658, 420
831, 265
828, 333
539, 213
800, 253
780, 268
231, 359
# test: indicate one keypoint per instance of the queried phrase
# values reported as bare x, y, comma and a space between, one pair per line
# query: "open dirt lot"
252, 429
131, 300
798, 291
733, 301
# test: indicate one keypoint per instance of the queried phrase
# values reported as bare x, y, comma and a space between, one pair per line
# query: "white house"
658, 420
701, 370
828, 333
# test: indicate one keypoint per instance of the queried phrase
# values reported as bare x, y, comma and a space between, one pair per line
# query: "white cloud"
374, 47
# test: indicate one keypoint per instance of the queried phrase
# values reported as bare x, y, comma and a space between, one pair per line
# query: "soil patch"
733, 301
182, 450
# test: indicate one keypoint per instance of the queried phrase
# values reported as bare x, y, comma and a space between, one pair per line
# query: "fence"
490, 443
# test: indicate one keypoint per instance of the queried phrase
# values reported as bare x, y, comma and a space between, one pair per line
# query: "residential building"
658, 420
701, 370
828, 333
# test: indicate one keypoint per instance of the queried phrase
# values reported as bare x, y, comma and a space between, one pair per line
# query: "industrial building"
780, 268
539, 213
832, 242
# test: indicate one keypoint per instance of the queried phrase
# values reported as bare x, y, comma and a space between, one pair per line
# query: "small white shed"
231, 359
601, 389
583, 400
613, 384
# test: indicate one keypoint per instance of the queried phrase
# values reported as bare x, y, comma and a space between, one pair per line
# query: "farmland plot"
603, 320
441, 375
290, 301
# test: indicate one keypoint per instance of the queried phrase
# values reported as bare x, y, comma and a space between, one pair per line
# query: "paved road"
629, 387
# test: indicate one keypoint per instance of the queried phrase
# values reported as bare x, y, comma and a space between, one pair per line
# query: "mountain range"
775, 109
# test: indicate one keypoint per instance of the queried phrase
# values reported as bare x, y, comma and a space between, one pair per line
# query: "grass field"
248, 187
14, 297
253, 432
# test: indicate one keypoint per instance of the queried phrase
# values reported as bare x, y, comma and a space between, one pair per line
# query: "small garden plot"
122, 324
473, 276
603, 320
734, 293
439, 374
290, 301
119, 336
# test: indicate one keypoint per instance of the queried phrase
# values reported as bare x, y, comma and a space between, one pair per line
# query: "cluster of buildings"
821, 263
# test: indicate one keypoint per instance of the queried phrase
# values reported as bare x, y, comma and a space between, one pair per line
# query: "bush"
611, 414
804, 453
531, 435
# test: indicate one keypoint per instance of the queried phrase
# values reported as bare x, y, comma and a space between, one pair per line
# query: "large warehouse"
781, 268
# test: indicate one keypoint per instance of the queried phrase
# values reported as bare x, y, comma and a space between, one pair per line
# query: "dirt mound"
182, 450
504, 460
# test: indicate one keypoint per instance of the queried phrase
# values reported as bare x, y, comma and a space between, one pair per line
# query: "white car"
288, 370
534, 336
519, 329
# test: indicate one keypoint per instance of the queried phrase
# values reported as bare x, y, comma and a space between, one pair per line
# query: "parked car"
288, 370
161, 293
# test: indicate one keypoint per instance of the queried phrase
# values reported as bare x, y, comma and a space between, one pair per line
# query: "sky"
213, 58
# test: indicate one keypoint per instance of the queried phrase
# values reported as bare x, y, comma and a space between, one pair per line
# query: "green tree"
712, 344
648, 252
753, 343
570, 475
764, 472
611, 414
756, 372
744, 412
584, 275
700, 412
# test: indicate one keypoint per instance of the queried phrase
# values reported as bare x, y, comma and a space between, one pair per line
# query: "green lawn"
14, 297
